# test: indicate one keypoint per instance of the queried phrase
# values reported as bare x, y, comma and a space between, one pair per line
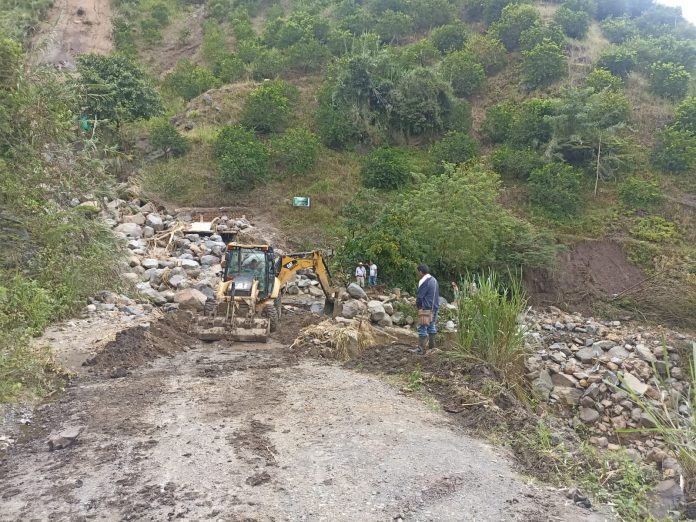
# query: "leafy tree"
514, 20
618, 60
556, 188
454, 147
431, 13
267, 108
543, 65
574, 23
636, 192
214, 44
669, 80
116, 89
540, 32
463, 73
515, 163
268, 64
164, 136
242, 159
385, 168
493, 9
419, 54
497, 125
229, 68
448, 38
674, 151
459, 118
586, 6
308, 57
607, 8
619, 30
422, 103
488, 51
296, 151
10, 60
394, 26
188, 80
602, 80
685, 115
530, 126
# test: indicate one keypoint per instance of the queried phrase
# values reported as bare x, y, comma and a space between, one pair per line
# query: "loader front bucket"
248, 329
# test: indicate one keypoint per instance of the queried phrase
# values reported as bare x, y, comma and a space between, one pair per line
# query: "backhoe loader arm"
291, 263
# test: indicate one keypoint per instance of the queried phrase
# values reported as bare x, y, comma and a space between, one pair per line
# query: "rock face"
190, 299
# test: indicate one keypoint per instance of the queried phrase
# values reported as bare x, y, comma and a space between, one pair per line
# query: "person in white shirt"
360, 275
372, 279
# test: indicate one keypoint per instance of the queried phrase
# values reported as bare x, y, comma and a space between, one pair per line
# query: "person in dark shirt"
427, 299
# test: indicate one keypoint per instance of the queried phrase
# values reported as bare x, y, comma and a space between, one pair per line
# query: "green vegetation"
385, 169
165, 137
268, 107
556, 188
241, 158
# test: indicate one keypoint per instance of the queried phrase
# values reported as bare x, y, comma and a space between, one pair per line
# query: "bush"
514, 20
488, 51
242, 159
268, 64
336, 126
459, 117
600, 80
454, 147
487, 314
188, 80
619, 30
530, 125
296, 151
10, 61
543, 65
25, 306
497, 125
674, 151
463, 73
575, 24
165, 137
394, 26
229, 68
385, 169
669, 80
619, 60
556, 188
308, 57
685, 115
540, 32
513, 163
267, 108
654, 228
640, 193
450, 37
422, 103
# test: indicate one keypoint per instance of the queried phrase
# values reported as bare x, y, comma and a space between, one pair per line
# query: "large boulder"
151, 294
352, 308
130, 230
376, 311
154, 221
190, 299
137, 219
209, 260
149, 263
356, 292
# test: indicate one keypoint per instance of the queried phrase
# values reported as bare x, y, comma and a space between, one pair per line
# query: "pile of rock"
602, 369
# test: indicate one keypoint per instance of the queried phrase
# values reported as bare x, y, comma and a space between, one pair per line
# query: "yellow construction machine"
247, 305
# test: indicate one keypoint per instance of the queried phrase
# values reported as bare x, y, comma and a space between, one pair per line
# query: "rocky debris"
190, 299
65, 438
355, 291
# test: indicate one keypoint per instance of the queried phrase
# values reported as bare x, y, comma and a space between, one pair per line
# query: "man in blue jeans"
427, 298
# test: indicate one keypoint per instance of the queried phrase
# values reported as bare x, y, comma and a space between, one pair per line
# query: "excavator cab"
244, 264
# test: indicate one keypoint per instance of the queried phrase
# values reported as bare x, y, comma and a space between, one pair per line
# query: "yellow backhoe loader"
247, 305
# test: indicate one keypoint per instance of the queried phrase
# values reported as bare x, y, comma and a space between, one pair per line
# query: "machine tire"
273, 316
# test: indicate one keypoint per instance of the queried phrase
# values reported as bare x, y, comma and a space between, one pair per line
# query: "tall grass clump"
489, 329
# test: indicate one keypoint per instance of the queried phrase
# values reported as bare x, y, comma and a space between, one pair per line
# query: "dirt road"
73, 27
251, 432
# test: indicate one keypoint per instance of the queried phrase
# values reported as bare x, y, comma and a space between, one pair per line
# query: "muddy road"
252, 432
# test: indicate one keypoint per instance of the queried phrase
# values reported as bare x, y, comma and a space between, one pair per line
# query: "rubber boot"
431, 341
422, 345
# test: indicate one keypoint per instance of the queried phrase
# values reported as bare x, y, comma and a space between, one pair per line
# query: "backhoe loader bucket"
223, 325
329, 308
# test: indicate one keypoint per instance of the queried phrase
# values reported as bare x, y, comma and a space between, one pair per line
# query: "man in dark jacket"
427, 298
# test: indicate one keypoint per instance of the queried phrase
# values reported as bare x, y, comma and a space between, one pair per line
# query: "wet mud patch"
252, 444
138, 345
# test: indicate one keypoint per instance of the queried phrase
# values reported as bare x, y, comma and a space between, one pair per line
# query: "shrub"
385, 169
530, 125
586, 6
669, 80
431, 13
603, 80
242, 159
150, 30
514, 20
488, 51
394, 26
267, 108
514, 163
619, 60
421, 103
497, 125
25, 306
459, 118
539, 32
654, 228
296, 151
308, 56
685, 115
454, 147
543, 65
450, 37
635, 192
487, 314
10, 61
618, 30
556, 188
575, 24
188, 80
463, 73
268, 64
165, 137
674, 151
229, 68
336, 127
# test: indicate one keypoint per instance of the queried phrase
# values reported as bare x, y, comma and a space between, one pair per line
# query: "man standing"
360, 275
428, 303
372, 280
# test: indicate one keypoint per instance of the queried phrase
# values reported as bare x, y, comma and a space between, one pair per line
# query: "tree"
241, 158
463, 73
421, 103
431, 13
674, 151
544, 65
488, 51
685, 115
229, 68
575, 24
497, 125
619, 30
384, 168
165, 137
607, 8
116, 89
394, 26
618, 60
602, 80
267, 108
530, 126
296, 151
669, 80
308, 57
455, 148
267, 65
515, 163
556, 188
539, 32
188, 80
448, 38
637, 193
514, 20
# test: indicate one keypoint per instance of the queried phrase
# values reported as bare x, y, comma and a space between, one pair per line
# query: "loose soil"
225, 431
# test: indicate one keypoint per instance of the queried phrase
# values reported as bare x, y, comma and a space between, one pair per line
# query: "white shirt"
373, 270
360, 271
423, 279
